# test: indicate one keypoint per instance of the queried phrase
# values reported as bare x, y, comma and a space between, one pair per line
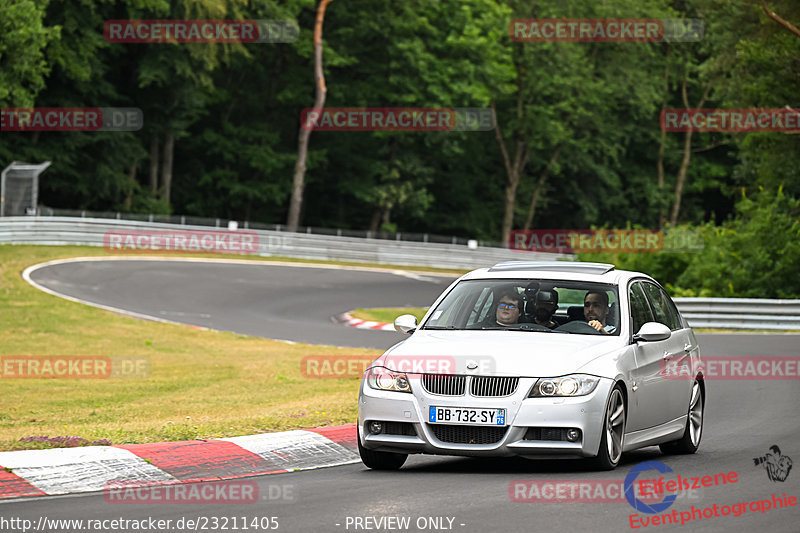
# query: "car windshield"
555, 306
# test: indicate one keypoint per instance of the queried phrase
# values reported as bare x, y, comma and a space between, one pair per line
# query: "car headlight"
381, 378
572, 385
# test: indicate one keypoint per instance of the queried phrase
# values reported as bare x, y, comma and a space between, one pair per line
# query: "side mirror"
405, 323
652, 332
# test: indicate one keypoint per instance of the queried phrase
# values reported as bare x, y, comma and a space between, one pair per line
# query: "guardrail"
90, 231
726, 313
740, 313
219, 223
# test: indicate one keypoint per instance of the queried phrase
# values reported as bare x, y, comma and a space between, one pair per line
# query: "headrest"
547, 297
575, 312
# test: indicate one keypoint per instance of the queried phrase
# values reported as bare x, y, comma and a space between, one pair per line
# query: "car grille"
399, 428
491, 386
480, 386
468, 434
444, 385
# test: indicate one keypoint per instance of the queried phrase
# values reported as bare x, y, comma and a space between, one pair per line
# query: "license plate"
467, 415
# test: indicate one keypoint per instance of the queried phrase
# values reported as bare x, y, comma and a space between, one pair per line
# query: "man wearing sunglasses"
508, 309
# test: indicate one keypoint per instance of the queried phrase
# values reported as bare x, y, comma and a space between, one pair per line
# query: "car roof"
560, 270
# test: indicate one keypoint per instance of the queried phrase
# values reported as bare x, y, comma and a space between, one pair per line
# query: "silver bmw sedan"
537, 359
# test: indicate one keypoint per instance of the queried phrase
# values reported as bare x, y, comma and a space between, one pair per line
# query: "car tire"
694, 426
380, 460
612, 440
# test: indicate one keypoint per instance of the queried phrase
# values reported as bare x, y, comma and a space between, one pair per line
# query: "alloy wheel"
696, 414
615, 425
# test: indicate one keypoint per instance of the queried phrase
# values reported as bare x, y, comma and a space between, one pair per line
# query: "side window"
672, 311
640, 310
663, 310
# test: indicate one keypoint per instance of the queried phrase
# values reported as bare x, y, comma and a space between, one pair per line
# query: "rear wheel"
611, 442
380, 460
694, 426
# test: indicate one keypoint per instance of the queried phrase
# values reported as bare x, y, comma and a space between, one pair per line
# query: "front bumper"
585, 413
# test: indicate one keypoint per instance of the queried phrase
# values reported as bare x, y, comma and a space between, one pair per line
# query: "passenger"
596, 309
545, 304
508, 310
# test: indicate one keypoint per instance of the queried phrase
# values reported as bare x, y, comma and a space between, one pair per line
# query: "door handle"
680, 356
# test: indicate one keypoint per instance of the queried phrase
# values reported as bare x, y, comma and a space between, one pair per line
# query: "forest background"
578, 142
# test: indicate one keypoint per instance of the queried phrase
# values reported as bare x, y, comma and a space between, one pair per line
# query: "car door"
650, 391
677, 351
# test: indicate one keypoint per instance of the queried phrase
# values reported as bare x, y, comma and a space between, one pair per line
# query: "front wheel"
380, 460
610, 451
694, 426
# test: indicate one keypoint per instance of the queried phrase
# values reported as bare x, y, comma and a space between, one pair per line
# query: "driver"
596, 309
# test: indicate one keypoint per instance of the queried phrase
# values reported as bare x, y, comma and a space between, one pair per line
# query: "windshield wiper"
440, 327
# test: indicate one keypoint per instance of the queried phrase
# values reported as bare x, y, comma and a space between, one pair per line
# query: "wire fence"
57, 230
185, 220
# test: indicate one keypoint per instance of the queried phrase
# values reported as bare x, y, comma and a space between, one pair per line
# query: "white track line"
26, 275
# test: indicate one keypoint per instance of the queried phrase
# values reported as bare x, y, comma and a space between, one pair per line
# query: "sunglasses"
510, 307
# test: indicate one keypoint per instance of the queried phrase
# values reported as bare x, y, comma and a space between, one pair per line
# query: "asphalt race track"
294, 303
742, 420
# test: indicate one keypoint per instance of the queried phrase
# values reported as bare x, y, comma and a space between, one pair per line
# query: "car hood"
503, 353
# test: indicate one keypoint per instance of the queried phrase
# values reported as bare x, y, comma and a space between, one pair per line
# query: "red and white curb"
348, 320
92, 468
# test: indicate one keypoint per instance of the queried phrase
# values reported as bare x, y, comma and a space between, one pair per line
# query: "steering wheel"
578, 326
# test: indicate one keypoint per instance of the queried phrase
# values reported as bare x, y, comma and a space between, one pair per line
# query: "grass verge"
203, 384
388, 314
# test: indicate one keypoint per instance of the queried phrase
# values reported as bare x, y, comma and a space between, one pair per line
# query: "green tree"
23, 40
763, 238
